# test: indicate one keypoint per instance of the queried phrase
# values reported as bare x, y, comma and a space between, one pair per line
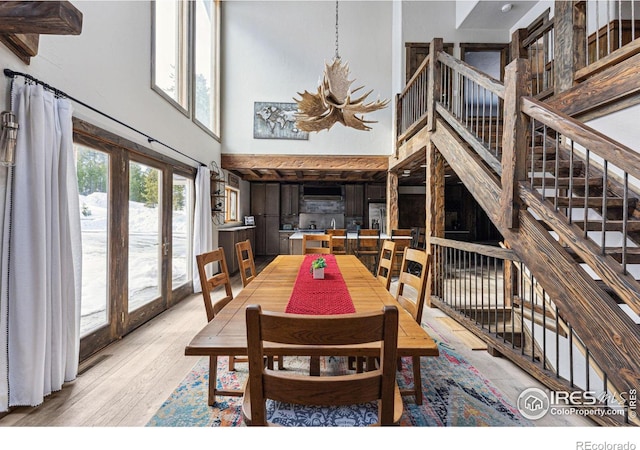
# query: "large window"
170, 50
185, 62
136, 211
92, 168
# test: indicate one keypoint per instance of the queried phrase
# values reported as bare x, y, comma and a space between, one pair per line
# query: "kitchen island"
295, 240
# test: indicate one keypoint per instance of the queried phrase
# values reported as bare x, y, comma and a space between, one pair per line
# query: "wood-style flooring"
124, 384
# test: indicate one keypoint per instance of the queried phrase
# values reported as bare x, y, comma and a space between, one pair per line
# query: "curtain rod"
58, 93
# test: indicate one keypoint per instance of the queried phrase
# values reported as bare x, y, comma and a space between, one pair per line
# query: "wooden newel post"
433, 82
517, 84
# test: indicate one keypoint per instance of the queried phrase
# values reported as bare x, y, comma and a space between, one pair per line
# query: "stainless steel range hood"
322, 192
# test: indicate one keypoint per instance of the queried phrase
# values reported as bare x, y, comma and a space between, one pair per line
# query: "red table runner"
320, 296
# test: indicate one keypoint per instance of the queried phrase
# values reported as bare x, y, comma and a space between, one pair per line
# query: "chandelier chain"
337, 53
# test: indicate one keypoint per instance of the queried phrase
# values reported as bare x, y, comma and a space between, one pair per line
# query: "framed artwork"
276, 121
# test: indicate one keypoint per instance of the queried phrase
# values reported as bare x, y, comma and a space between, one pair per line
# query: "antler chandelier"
333, 101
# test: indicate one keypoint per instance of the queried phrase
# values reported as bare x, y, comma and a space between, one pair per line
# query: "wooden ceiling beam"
304, 162
48, 17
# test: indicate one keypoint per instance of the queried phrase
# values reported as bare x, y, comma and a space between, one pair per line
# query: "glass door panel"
92, 168
181, 231
145, 235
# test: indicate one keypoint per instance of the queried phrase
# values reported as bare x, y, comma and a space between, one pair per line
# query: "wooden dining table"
226, 333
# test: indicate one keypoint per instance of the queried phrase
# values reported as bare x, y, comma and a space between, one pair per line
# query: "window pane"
205, 63
92, 168
181, 231
170, 55
145, 243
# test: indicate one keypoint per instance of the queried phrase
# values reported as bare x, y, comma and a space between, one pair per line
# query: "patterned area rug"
455, 394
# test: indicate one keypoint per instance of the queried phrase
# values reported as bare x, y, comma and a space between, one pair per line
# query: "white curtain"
203, 225
43, 256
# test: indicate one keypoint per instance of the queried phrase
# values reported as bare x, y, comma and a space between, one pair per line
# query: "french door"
136, 217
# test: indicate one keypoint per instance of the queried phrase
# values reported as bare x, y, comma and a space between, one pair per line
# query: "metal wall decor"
333, 100
276, 121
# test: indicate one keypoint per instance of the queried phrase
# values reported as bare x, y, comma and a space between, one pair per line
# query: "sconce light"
8, 138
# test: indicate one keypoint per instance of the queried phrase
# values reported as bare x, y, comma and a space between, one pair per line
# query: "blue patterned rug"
455, 394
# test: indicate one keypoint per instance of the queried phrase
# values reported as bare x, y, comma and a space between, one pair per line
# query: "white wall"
272, 50
426, 20
108, 67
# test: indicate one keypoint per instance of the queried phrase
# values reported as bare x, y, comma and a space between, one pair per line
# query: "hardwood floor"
125, 383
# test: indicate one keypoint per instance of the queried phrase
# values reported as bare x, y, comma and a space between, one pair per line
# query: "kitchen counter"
237, 228
297, 235
295, 240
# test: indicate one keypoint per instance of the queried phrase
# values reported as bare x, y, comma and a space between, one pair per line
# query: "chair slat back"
385, 263
205, 262
246, 263
413, 274
303, 330
325, 244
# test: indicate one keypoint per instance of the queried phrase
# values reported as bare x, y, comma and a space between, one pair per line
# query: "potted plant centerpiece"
317, 267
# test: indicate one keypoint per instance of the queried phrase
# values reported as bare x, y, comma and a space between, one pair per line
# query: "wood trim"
303, 162
112, 140
24, 46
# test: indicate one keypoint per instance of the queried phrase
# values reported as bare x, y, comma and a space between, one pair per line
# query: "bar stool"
339, 245
368, 247
403, 238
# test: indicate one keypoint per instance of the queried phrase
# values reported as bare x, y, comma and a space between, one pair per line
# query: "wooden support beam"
569, 51
392, 201
434, 82
304, 162
49, 17
514, 139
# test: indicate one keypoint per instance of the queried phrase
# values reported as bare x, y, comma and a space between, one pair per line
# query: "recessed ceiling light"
506, 7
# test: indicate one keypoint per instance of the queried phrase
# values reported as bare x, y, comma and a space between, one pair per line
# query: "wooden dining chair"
323, 248
247, 266
206, 261
375, 390
246, 263
338, 246
412, 286
368, 247
385, 263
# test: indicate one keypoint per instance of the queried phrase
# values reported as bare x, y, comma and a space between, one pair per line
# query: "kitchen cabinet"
354, 200
265, 199
289, 200
265, 207
228, 238
376, 192
284, 242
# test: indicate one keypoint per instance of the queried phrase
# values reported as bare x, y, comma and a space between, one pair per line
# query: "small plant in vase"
317, 267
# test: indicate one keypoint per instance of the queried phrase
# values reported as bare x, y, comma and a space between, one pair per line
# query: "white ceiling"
487, 14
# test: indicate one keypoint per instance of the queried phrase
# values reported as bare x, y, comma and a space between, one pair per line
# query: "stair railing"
592, 182
411, 103
472, 103
493, 294
539, 48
